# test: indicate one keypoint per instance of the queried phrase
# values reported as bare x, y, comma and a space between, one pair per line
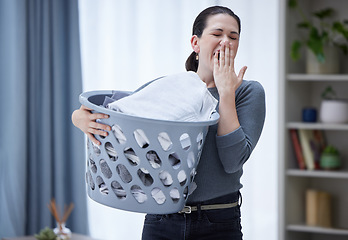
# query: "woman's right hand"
85, 120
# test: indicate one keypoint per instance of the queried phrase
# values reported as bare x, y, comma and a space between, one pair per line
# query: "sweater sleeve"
235, 148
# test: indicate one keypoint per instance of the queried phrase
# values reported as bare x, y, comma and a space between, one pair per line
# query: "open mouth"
218, 54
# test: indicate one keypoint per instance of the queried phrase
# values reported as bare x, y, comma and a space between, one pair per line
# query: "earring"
197, 57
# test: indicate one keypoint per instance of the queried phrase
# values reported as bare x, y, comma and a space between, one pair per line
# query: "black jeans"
209, 224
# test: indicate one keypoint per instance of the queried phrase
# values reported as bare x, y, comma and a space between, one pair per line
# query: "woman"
213, 209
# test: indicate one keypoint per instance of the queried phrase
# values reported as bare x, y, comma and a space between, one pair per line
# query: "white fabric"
180, 97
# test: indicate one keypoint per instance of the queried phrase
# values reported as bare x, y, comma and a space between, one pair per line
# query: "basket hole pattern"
89, 179
102, 186
174, 160
92, 165
165, 141
131, 156
166, 178
185, 141
182, 177
124, 174
199, 140
110, 150
158, 195
145, 177
153, 159
141, 138
104, 167
118, 133
118, 190
96, 149
190, 160
175, 195
138, 194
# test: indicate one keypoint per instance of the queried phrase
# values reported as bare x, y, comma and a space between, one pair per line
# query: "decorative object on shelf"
330, 158
323, 38
318, 208
61, 230
309, 114
46, 234
333, 109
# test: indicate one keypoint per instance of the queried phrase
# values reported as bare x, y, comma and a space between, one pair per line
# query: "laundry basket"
143, 165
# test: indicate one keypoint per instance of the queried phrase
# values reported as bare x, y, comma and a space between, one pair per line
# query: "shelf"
317, 173
318, 126
317, 77
310, 229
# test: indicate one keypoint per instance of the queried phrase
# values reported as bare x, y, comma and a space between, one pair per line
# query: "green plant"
331, 150
328, 93
46, 234
319, 31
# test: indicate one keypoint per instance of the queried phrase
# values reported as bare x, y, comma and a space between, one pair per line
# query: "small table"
74, 236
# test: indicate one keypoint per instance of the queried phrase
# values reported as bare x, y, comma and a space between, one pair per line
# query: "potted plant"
333, 109
323, 37
330, 158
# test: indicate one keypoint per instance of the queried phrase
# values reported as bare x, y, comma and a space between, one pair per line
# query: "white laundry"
159, 100
166, 178
158, 195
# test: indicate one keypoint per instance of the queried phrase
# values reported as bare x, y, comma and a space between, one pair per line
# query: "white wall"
127, 43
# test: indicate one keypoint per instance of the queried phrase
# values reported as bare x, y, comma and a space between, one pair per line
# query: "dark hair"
200, 24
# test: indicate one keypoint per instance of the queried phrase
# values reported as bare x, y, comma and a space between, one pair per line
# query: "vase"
62, 232
329, 161
334, 111
331, 64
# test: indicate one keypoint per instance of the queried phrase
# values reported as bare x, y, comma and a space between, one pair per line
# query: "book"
297, 148
306, 137
318, 208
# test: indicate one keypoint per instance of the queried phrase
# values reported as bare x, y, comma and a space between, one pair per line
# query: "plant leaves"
339, 27
315, 43
292, 3
304, 25
324, 13
295, 50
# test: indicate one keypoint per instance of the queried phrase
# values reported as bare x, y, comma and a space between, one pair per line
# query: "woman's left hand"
225, 78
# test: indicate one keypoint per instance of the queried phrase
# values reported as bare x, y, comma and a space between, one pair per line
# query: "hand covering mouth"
218, 53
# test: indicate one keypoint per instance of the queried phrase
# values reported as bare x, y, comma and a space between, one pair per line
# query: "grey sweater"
221, 164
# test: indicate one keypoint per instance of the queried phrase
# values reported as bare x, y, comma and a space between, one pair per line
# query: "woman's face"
219, 28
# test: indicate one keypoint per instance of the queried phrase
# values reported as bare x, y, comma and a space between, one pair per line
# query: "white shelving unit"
298, 90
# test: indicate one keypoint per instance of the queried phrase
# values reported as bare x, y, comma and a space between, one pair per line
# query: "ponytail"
191, 62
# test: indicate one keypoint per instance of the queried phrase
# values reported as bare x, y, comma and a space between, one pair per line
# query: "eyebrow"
221, 30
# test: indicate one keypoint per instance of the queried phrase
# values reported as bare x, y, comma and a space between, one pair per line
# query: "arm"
235, 148
85, 120
242, 111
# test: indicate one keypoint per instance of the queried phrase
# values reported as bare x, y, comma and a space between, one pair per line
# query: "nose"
224, 38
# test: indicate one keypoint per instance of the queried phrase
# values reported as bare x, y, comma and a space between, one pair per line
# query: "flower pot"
334, 111
329, 66
330, 161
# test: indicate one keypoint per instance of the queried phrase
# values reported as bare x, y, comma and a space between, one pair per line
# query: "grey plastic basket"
155, 177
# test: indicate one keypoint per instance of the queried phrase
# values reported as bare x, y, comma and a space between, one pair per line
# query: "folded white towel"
178, 97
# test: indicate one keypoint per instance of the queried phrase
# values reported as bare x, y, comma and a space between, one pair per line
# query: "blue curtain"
41, 153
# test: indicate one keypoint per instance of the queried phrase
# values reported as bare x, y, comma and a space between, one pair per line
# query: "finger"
99, 126
93, 139
95, 116
216, 60
227, 54
242, 72
222, 55
97, 132
233, 55
83, 107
